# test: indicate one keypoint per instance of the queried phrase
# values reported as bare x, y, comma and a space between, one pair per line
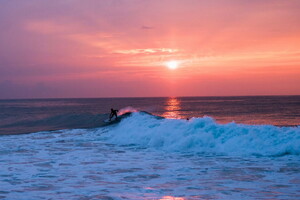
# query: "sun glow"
173, 64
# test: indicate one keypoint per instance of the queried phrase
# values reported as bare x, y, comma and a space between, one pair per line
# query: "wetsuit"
113, 113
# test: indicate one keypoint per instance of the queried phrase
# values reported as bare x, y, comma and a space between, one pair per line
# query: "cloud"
77, 40
147, 27
147, 51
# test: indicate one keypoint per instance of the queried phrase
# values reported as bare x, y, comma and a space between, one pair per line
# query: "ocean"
180, 148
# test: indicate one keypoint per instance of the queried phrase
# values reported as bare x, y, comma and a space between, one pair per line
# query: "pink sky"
118, 48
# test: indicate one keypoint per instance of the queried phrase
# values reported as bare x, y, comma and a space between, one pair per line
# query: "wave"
204, 135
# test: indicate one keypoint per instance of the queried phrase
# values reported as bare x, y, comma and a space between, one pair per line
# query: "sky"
120, 48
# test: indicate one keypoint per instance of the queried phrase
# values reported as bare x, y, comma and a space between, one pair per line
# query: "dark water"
25, 116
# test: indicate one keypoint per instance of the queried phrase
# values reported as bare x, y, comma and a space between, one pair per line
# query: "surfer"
113, 113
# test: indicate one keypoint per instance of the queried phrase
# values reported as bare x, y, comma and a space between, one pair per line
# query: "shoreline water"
146, 158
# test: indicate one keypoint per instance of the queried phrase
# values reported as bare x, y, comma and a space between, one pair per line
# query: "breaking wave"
204, 135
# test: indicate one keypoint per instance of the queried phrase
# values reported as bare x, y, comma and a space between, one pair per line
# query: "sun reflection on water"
172, 108
172, 198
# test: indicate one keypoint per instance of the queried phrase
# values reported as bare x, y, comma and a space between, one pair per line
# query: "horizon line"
44, 98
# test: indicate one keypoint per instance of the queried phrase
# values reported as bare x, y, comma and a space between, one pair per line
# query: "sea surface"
180, 148
32, 115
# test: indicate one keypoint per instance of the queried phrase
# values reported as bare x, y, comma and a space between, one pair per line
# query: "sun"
173, 64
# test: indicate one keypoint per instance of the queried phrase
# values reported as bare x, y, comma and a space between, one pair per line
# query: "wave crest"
204, 135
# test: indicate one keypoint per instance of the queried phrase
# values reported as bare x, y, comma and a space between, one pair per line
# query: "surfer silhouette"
113, 113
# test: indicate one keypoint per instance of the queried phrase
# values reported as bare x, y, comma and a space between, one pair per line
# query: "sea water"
32, 115
228, 154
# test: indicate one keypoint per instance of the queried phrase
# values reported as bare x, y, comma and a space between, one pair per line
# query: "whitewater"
150, 157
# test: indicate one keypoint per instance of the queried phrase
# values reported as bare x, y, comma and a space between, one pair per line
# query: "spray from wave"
204, 135
127, 110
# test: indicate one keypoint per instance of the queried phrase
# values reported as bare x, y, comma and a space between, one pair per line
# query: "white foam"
205, 135
84, 164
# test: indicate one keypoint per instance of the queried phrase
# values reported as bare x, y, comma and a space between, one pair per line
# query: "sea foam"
204, 135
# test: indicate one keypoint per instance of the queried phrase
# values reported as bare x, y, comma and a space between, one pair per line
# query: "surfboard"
112, 119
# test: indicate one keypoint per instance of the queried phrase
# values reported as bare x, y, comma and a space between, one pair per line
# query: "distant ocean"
180, 148
32, 115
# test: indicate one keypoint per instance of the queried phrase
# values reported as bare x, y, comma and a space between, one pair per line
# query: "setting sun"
172, 64
157, 99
